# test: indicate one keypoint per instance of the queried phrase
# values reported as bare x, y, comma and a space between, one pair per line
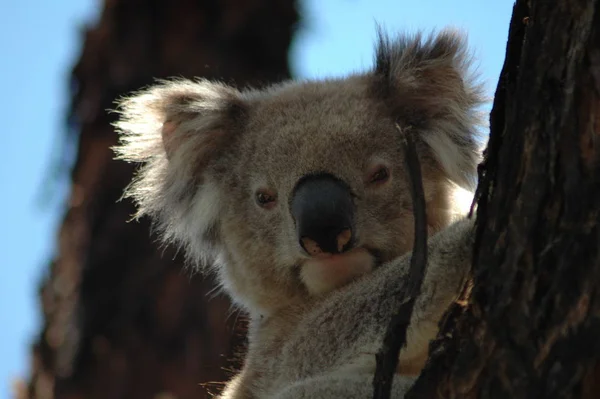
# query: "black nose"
323, 209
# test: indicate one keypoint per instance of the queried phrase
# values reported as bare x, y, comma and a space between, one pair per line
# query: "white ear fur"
432, 85
175, 129
459, 161
196, 222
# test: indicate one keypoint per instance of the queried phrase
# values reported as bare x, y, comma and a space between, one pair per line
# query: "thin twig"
395, 335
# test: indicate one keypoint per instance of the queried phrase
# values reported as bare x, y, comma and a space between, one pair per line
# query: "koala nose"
323, 209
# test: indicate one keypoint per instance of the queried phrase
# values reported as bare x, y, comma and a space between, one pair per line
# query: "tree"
122, 319
531, 325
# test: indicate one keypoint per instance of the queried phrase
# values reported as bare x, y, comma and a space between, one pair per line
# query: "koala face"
295, 190
315, 161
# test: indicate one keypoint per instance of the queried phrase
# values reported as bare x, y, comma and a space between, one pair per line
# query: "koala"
297, 197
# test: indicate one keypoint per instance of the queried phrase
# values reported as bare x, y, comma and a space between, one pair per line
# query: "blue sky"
40, 41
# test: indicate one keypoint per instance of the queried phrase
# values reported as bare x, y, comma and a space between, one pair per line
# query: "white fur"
197, 220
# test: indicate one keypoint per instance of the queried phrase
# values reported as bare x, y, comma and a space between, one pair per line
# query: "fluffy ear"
427, 83
176, 129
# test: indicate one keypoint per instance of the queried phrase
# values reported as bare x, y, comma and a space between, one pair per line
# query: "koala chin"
297, 197
333, 271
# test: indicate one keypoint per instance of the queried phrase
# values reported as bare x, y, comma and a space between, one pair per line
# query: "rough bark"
122, 319
531, 326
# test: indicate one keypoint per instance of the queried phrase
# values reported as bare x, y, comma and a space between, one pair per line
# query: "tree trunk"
122, 319
531, 325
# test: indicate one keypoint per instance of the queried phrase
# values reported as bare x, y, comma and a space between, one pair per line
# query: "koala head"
297, 189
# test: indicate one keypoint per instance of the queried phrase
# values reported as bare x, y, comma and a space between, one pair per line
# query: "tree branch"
395, 336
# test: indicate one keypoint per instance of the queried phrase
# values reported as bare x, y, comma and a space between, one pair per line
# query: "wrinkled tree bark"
531, 326
121, 317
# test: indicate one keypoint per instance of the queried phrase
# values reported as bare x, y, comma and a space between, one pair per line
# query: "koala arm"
449, 261
333, 346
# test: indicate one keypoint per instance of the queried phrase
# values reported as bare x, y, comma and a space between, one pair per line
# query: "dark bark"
531, 326
122, 319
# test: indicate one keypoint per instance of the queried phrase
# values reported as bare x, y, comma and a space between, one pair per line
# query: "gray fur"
328, 346
206, 148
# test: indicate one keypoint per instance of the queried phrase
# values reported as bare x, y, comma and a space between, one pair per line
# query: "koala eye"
266, 199
380, 175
